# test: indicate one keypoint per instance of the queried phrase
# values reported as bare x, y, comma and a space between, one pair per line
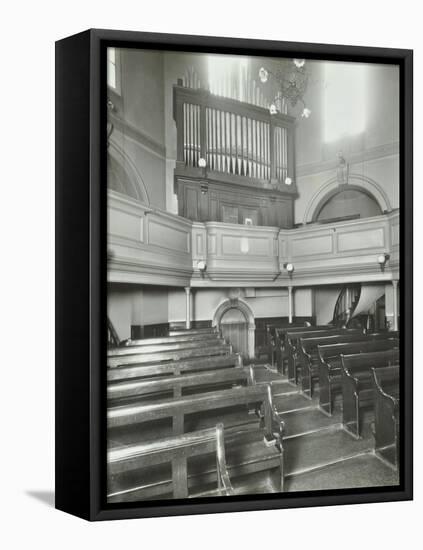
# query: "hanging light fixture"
292, 78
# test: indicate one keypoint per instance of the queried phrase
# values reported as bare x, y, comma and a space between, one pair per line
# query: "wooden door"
235, 330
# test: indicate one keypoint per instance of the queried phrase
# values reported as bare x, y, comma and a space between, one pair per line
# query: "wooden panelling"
154, 247
147, 246
124, 224
361, 239
310, 245
168, 235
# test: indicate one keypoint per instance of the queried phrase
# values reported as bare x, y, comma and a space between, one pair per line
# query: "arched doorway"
235, 319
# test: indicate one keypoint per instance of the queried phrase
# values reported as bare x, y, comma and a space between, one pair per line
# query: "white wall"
135, 305
141, 108
372, 153
264, 302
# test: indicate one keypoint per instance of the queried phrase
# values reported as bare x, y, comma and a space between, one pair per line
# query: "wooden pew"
196, 364
255, 440
146, 388
330, 372
178, 407
292, 343
357, 386
272, 338
159, 348
281, 350
386, 381
309, 356
174, 355
200, 331
171, 339
127, 462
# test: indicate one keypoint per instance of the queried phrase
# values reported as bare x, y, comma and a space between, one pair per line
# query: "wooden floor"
319, 454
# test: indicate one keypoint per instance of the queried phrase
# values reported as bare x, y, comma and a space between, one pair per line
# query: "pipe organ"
235, 160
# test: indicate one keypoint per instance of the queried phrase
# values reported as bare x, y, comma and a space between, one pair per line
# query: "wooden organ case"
235, 161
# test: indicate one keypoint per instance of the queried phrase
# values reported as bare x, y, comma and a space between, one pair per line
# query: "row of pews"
187, 418
358, 371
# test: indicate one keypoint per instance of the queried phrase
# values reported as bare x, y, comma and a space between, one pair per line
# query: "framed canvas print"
234, 274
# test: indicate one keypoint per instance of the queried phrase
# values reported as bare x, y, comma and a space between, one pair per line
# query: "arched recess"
332, 187
247, 312
123, 176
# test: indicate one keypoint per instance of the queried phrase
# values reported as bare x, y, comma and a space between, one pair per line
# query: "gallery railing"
232, 137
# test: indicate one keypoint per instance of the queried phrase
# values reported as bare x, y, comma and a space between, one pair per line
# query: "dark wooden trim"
73, 478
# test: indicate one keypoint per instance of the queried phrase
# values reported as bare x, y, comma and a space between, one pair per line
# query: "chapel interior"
253, 275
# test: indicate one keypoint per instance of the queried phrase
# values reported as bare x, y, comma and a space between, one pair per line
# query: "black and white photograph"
253, 275
210, 299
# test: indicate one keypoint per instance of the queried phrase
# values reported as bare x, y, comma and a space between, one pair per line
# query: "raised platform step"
307, 421
323, 447
292, 401
364, 470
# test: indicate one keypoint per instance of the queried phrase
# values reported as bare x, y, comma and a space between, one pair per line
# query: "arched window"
347, 204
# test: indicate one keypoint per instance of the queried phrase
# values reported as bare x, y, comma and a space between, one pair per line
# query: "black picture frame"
81, 258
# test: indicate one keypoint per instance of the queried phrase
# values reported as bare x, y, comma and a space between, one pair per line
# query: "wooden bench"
330, 371
153, 387
191, 332
292, 343
125, 466
255, 441
171, 339
309, 356
196, 364
357, 386
272, 338
174, 355
386, 383
159, 348
281, 348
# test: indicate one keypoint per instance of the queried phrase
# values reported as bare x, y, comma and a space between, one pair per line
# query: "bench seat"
357, 384
137, 389
246, 455
330, 366
193, 364
309, 357
174, 355
386, 383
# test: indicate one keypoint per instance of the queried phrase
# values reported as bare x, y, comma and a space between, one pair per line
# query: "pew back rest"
281, 333
293, 338
351, 347
178, 407
176, 450
386, 381
158, 348
151, 386
170, 339
197, 364
309, 345
174, 355
357, 365
195, 331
